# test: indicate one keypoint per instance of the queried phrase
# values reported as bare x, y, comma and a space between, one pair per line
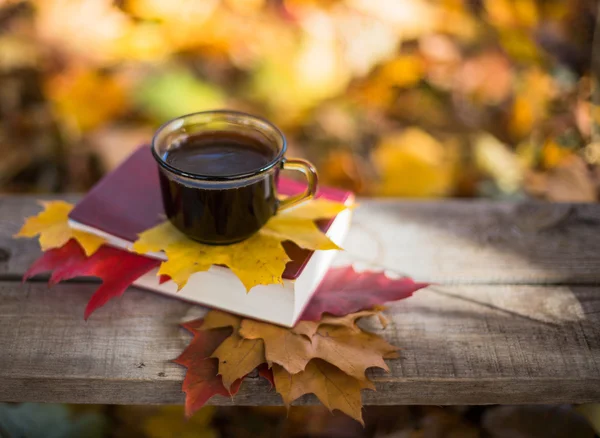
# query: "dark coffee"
219, 212
219, 154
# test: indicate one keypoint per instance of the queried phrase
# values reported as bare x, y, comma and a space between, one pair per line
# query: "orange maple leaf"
332, 386
327, 358
353, 351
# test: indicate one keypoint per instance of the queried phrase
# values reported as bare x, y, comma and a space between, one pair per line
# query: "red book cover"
127, 201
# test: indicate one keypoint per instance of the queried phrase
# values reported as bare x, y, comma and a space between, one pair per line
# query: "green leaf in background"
175, 92
38, 420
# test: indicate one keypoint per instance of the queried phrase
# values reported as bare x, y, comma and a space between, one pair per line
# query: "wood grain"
473, 242
452, 242
513, 318
460, 345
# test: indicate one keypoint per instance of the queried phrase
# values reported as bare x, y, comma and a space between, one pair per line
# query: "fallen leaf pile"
326, 353
261, 259
327, 358
323, 354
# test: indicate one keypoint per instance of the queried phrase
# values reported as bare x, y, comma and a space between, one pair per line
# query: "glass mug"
220, 208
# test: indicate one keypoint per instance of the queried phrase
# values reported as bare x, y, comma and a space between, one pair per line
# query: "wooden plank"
465, 344
452, 242
474, 242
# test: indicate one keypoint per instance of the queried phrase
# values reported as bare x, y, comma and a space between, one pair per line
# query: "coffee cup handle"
311, 177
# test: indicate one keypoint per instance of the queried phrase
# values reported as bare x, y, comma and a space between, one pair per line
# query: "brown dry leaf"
352, 350
259, 259
113, 144
218, 319
309, 328
54, 231
344, 169
333, 387
383, 320
486, 78
282, 346
571, 181
237, 357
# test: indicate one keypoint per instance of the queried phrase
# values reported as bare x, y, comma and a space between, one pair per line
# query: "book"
128, 201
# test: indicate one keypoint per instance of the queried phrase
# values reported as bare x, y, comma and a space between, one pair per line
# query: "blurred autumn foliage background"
410, 98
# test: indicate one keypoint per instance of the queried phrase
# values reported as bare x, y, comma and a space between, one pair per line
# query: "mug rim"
276, 160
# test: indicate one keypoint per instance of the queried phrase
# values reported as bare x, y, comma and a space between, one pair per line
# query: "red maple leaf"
344, 291
201, 380
267, 373
117, 269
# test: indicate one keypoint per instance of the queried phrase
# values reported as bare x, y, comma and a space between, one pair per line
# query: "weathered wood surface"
514, 317
452, 242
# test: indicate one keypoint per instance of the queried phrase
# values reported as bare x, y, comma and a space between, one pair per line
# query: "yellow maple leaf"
54, 231
535, 90
260, 259
306, 233
313, 210
506, 13
412, 163
553, 154
72, 92
180, 253
403, 71
158, 238
333, 387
